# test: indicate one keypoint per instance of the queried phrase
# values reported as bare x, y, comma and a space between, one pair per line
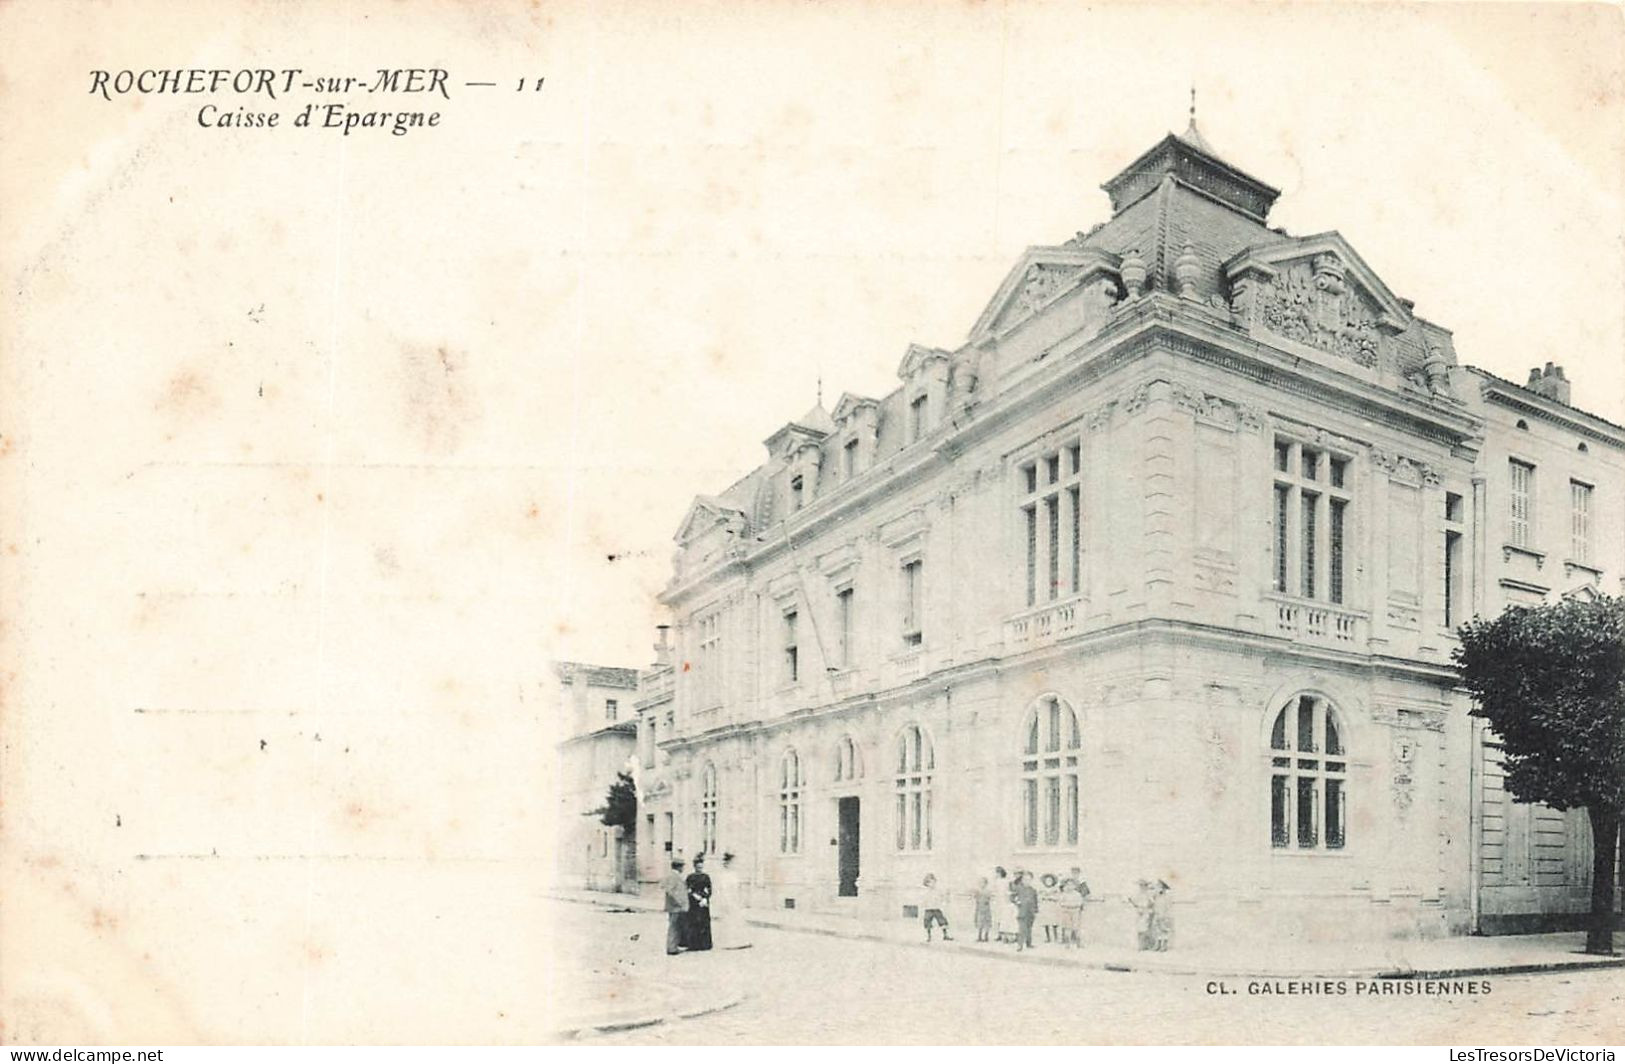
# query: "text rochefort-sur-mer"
262, 81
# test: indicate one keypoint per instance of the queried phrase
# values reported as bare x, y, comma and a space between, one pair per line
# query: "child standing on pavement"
1162, 917
984, 909
934, 901
1145, 914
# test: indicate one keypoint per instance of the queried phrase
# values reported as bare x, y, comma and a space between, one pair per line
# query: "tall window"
1523, 495
848, 765
844, 619
1049, 775
916, 418
708, 810
612, 708
790, 783
1579, 521
1308, 777
913, 589
792, 660
915, 765
1312, 503
1051, 502
795, 494
849, 459
708, 661
1452, 559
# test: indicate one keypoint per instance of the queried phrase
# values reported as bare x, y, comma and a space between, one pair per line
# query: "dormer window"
795, 494
849, 459
916, 418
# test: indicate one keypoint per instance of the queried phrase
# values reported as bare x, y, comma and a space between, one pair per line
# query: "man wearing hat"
676, 891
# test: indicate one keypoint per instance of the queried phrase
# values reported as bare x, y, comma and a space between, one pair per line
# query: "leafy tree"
620, 808
1551, 682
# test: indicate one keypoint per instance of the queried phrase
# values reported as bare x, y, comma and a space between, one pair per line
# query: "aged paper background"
315, 450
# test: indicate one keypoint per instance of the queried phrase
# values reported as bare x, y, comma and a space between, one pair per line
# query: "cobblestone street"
799, 988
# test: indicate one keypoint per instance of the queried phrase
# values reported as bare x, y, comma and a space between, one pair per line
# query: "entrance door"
847, 812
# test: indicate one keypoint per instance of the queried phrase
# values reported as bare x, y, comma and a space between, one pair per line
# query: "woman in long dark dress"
699, 907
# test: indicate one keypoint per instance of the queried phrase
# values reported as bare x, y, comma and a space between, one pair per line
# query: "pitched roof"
598, 675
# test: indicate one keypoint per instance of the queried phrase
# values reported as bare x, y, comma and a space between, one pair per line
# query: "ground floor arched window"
916, 763
1309, 786
1049, 775
790, 783
708, 810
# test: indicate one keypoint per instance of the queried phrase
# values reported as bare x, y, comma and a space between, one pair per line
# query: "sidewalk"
1440, 958
605, 993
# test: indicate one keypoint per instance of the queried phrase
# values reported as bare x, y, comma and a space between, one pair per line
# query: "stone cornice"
1194, 634
1154, 323
1520, 400
1138, 634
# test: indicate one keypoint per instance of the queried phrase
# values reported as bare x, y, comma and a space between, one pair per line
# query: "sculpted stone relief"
1216, 409
1408, 470
1201, 404
1040, 286
1415, 718
1215, 575
1309, 301
1219, 758
1404, 760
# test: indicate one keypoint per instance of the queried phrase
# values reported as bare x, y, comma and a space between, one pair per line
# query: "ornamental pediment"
704, 515
1318, 292
917, 357
1040, 277
849, 406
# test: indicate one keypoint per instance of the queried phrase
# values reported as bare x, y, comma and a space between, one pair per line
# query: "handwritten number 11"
521, 86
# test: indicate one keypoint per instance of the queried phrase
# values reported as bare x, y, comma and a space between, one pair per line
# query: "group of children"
1008, 908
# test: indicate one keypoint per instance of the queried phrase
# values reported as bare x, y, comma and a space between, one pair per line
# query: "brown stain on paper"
440, 403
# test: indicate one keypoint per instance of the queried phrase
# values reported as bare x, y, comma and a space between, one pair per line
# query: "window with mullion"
790, 783
1311, 516
1050, 505
708, 811
1049, 768
916, 762
708, 667
1308, 777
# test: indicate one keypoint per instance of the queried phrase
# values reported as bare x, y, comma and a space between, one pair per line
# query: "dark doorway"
847, 810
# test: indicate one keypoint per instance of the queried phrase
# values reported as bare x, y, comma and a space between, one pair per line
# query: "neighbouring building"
1154, 575
596, 712
1546, 519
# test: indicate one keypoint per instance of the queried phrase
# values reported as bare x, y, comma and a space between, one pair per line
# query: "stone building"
1546, 521
596, 714
1154, 575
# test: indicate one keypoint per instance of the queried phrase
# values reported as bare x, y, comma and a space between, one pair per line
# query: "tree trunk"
1604, 847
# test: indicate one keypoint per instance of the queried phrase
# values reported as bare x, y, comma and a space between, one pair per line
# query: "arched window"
1049, 775
1308, 776
708, 810
848, 766
790, 803
915, 763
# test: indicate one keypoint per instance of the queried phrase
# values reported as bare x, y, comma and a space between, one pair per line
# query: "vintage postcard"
873, 522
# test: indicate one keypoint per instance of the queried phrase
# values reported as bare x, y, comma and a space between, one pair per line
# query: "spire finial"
820, 389
1192, 134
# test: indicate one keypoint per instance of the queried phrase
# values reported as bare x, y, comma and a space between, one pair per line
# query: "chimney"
1549, 382
663, 644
